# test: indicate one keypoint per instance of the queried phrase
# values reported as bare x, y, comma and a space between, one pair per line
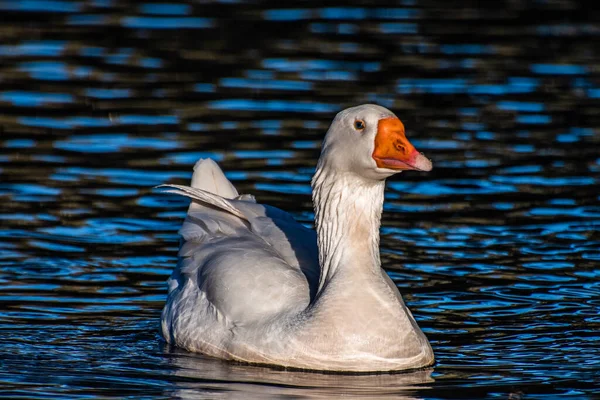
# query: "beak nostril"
400, 147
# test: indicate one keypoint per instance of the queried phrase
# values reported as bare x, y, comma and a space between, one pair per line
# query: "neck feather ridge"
347, 220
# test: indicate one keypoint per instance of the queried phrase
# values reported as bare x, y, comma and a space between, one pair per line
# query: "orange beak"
394, 151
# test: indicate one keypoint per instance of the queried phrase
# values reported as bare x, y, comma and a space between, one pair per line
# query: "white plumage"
254, 285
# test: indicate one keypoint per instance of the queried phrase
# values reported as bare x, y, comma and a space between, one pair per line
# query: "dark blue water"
496, 251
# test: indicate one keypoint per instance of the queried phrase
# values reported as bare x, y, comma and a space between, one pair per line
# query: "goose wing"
240, 261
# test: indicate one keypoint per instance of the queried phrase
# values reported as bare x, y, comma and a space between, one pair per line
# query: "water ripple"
496, 251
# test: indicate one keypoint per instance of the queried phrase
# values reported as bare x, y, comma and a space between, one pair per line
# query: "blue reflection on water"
287, 189
272, 105
197, 126
42, 5
466, 49
166, 22
396, 13
165, 9
398, 27
204, 87
593, 93
499, 90
136, 178
559, 69
117, 192
343, 13
445, 86
106, 143
104, 93
58, 247
120, 57
45, 48
545, 181
189, 158
46, 70
328, 75
265, 84
287, 14
282, 64
87, 19
305, 144
534, 119
522, 169
445, 187
66, 123
520, 106
19, 143
147, 119
34, 99
32, 189
574, 134
495, 248
249, 154
593, 212
484, 135
522, 148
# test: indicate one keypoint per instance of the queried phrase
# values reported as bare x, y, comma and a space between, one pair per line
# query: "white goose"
254, 285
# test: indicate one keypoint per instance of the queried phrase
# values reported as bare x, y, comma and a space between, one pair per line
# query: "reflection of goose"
199, 377
254, 285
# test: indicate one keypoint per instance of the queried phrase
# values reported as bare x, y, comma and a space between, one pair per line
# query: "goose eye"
359, 124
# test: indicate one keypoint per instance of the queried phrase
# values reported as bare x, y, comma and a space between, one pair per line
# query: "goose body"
254, 285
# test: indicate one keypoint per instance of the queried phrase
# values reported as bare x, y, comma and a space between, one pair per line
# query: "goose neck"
347, 219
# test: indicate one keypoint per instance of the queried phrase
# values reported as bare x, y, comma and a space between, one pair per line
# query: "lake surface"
496, 251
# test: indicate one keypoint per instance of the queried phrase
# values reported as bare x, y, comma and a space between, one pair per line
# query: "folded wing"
244, 261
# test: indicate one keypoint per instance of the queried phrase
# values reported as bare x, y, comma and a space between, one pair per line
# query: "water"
496, 251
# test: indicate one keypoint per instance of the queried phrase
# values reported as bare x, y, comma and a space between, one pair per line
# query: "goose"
253, 285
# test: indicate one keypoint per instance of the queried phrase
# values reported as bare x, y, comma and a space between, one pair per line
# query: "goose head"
369, 141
